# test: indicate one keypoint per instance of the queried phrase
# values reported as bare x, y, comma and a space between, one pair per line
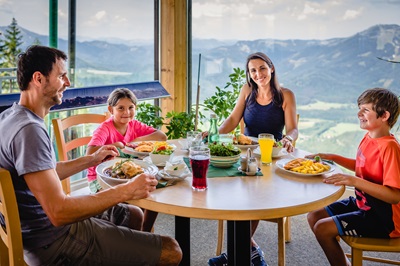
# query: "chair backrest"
11, 248
67, 142
360, 244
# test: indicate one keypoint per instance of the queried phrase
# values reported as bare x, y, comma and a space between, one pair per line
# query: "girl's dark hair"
121, 93
36, 58
382, 100
276, 90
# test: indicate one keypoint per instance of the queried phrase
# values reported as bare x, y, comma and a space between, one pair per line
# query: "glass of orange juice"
266, 142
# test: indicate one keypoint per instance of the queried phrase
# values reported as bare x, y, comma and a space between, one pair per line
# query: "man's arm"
62, 209
68, 168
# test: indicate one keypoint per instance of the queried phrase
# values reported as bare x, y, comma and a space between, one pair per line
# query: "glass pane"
325, 52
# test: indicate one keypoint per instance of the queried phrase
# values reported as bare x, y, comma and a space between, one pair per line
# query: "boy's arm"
387, 194
347, 163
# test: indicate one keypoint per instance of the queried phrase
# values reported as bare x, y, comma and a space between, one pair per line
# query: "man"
58, 229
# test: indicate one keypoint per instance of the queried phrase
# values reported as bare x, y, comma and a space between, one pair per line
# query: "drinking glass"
226, 138
192, 138
266, 142
199, 161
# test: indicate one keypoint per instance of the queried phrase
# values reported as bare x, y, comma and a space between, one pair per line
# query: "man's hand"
141, 185
103, 154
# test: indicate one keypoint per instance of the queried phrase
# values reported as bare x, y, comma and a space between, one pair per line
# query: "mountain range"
338, 69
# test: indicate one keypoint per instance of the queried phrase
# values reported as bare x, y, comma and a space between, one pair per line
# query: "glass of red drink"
199, 161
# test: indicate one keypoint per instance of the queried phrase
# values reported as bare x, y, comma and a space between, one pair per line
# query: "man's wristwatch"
289, 138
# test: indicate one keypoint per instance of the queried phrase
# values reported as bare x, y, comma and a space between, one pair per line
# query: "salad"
162, 147
223, 149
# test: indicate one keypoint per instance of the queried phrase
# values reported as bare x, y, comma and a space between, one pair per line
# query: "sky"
218, 19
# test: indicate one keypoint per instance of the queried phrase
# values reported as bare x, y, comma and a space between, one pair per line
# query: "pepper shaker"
243, 163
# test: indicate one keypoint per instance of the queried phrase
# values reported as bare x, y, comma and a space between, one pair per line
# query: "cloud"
352, 14
100, 15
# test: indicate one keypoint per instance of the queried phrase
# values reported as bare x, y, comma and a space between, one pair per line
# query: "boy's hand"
340, 179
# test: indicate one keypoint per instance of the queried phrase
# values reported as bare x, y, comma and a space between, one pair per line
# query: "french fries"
305, 166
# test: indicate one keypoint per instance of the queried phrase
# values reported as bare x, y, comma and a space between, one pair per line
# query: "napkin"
222, 172
176, 168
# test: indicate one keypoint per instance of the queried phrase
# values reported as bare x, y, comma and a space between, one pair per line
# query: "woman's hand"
287, 144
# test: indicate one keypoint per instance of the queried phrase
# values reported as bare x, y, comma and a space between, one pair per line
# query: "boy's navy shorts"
351, 221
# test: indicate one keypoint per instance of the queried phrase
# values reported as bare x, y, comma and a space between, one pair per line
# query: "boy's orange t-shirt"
378, 161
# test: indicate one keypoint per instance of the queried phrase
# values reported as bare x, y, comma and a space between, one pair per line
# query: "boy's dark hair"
121, 93
36, 58
382, 100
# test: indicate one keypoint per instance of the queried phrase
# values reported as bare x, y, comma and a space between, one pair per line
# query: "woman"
266, 107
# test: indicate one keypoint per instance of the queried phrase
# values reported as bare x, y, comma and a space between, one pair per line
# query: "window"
325, 52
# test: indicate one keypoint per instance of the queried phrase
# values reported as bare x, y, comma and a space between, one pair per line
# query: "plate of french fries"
305, 167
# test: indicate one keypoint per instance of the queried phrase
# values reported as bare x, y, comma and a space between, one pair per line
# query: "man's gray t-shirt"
25, 147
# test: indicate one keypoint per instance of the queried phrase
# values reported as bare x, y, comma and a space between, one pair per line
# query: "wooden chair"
11, 248
284, 234
360, 244
65, 145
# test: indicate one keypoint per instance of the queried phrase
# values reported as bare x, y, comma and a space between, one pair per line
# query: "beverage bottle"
213, 131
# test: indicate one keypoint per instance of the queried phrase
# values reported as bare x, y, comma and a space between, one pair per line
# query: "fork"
170, 182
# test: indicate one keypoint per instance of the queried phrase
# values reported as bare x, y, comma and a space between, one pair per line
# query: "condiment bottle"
252, 165
250, 160
213, 131
243, 163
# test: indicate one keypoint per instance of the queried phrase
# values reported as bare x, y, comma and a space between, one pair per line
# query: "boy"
375, 210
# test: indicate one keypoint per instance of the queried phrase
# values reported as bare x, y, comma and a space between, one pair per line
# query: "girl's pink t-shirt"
106, 133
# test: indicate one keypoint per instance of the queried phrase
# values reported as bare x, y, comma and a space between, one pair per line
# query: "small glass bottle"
213, 131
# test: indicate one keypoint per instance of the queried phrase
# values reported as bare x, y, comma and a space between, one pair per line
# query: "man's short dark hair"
36, 58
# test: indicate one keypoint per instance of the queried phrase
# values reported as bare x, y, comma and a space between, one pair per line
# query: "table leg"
182, 235
239, 246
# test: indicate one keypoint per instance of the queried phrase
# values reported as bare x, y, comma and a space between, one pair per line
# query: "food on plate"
124, 169
278, 144
143, 146
162, 147
223, 149
242, 140
305, 166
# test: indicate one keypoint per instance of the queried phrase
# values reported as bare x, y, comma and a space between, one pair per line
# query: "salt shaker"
249, 156
252, 165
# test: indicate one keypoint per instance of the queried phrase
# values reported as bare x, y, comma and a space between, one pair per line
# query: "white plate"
147, 168
282, 153
281, 163
245, 147
164, 175
140, 154
248, 173
251, 146
147, 159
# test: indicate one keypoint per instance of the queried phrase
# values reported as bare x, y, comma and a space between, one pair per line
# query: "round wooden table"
239, 200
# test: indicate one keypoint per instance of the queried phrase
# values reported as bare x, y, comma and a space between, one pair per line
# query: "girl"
119, 129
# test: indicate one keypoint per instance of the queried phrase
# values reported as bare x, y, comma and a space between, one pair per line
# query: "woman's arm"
233, 120
289, 107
